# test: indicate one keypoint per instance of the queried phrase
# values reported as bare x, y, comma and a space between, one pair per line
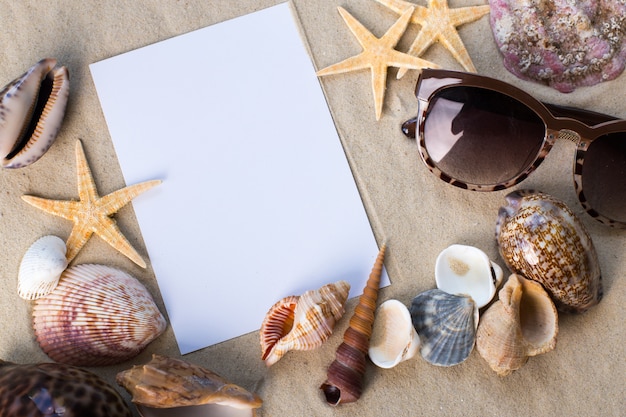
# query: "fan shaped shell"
41, 267
96, 316
446, 324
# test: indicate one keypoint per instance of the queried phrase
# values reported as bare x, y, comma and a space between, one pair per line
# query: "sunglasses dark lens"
479, 136
604, 176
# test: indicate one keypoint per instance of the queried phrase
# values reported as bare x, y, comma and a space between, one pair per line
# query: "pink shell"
96, 316
563, 44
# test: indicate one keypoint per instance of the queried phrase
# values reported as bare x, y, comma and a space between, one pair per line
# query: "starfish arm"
111, 203
357, 62
379, 85
464, 15
86, 185
422, 42
106, 228
406, 61
455, 45
395, 32
399, 6
358, 30
65, 209
79, 236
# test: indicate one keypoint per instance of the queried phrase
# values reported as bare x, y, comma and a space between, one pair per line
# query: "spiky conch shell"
96, 316
302, 323
55, 389
344, 382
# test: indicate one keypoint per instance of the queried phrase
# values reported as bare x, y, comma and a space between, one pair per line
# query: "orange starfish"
92, 213
439, 23
378, 55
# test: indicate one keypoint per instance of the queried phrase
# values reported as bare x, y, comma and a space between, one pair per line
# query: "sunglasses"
483, 134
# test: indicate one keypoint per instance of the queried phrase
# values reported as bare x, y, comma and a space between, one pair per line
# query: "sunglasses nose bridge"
567, 134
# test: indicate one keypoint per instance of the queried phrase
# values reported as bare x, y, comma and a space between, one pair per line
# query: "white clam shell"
40, 269
394, 338
467, 270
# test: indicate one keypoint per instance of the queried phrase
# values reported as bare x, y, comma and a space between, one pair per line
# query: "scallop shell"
344, 381
54, 389
522, 323
462, 269
96, 316
394, 338
446, 324
41, 267
542, 239
32, 108
302, 323
173, 387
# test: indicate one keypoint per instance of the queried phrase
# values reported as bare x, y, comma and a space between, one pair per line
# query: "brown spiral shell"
344, 381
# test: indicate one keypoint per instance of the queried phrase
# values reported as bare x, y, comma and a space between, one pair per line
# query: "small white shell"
42, 265
466, 270
394, 338
446, 324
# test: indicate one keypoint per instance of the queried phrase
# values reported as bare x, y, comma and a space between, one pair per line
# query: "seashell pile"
522, 323
394, 338
41, 267
344, 382
53, 390
462, 269
175, 388
302, 323
540, 238
564, 44
32, 108
446, 324
96, 316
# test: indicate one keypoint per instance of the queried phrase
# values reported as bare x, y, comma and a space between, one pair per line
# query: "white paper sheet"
257, 201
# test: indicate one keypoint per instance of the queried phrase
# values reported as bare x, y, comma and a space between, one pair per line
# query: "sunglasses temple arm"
590, 118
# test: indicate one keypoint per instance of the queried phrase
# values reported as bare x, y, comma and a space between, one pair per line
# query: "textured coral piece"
302, 323
96, 316
560, 43
92, 213
53, 389
378, 54
344, 383
438, 23
167, 382
540, 238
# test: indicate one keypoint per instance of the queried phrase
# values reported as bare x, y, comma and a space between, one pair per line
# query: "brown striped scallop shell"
344, 382
96, 316
302, 323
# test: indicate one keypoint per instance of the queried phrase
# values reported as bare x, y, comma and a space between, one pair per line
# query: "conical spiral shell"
96, 316
542, 239
344, 383
302, 323
522, 323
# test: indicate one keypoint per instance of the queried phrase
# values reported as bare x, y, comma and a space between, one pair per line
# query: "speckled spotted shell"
96, 316
54, 389
542, 239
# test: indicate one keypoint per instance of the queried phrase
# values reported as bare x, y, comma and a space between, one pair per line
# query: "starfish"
378, 54
92, 213
439, 23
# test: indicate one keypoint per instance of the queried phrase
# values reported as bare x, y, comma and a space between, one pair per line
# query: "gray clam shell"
446, 324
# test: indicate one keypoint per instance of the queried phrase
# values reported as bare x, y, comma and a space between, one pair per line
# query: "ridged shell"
32, 108
522, 323
394, 338
302, 323
462, 269
96, 316
542, 239
344, 381
173, 387
41, 267
54, 389
446, 324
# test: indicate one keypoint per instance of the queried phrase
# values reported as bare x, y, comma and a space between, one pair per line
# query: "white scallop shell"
462, 269
394, 338
446, 324
42, 265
